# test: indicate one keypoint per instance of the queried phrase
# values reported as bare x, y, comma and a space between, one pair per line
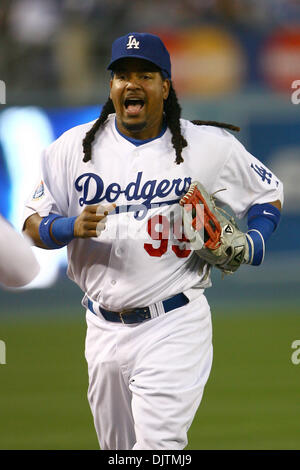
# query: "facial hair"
134, 127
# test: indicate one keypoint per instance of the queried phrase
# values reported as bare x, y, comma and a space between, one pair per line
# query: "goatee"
137, 127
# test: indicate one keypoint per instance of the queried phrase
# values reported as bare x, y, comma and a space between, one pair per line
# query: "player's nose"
133, 81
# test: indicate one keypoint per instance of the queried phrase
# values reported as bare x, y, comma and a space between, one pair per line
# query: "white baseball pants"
146, 380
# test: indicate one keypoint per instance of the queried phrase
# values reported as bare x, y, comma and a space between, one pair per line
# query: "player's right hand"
91, 221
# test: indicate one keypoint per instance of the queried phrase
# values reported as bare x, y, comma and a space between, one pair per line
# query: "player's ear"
110, 84
166, 88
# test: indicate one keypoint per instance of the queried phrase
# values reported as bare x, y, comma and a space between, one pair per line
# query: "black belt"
138, 315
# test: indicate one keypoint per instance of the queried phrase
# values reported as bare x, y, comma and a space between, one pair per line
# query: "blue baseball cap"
142, 46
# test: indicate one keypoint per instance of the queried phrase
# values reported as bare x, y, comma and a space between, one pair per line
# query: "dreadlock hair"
172, 111
107, 109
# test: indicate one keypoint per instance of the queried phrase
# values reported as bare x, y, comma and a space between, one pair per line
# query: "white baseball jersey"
141, 257
18, 265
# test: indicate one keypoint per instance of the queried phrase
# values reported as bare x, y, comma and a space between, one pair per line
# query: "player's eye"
120, 75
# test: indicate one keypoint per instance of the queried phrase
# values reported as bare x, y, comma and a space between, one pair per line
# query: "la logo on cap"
132, 43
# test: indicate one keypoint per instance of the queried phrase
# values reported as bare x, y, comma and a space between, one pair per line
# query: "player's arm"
262, 219
55, 231
276, 204
18, 265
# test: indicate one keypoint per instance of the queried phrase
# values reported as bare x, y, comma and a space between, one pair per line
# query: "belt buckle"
122, 313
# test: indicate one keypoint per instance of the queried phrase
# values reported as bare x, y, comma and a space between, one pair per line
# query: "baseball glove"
212, 233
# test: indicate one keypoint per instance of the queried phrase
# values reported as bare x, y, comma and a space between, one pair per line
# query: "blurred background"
236, 61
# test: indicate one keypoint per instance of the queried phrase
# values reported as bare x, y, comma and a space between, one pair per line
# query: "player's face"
138, 91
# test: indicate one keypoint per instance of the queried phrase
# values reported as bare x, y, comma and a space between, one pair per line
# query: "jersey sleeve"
18, 265
49, 194
246, 181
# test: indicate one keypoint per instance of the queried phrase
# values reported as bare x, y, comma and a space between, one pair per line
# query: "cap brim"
137, 56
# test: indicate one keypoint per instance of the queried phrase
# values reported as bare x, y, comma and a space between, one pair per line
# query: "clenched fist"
91, 221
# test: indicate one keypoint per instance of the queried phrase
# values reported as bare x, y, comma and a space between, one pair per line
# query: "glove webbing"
212, 228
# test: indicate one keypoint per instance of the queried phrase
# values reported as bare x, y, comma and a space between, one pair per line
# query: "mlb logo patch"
40, 191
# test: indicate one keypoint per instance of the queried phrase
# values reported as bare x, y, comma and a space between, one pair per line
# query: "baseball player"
110, 192
18, 265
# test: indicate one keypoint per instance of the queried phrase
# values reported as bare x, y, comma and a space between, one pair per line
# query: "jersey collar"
138, 142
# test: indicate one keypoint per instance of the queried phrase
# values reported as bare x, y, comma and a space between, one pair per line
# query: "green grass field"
252, 399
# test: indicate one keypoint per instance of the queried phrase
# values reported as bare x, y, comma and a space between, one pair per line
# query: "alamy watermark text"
2, 92
295, 97
2, 352
295, 357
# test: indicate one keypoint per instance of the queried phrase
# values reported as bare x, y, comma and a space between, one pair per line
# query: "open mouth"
134, 106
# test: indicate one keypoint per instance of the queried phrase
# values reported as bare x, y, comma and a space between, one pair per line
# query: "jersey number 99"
163, 235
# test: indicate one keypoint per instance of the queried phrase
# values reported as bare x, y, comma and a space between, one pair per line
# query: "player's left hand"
215, 237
